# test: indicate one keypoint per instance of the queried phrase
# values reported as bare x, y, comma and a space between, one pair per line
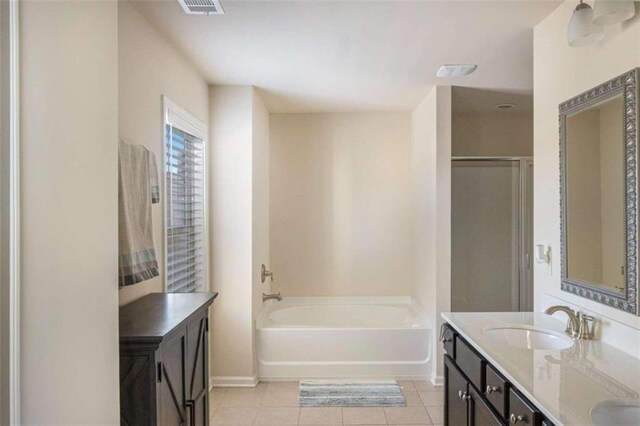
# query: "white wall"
69, 212
561, 72
431, 207
238, 233
149, 67
340, 204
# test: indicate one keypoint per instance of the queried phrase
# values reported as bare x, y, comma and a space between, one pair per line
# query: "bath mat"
343, 393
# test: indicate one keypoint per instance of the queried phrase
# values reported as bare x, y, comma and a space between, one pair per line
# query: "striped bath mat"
343, 393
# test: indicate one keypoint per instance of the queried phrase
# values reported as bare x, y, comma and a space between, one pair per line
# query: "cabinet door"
456, 411
197, 367
521, 412
480, 413
171, 386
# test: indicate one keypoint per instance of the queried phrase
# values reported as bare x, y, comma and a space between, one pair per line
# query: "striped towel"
138, 188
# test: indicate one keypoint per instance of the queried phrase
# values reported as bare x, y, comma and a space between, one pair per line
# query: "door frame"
11, 228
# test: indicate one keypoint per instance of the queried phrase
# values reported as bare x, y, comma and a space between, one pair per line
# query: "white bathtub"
342, 337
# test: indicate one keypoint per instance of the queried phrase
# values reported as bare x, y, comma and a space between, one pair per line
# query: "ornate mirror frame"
627, 86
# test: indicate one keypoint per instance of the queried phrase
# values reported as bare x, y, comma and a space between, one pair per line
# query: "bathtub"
342, 337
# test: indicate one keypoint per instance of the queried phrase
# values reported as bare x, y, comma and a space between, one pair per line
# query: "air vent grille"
201, 7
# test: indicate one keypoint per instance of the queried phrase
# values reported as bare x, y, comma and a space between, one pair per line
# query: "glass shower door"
490, 218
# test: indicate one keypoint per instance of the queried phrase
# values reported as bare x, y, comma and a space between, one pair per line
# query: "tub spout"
276, 296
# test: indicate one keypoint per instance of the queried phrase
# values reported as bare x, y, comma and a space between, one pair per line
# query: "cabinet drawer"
447, 338
470, 362
496, 390
521, 412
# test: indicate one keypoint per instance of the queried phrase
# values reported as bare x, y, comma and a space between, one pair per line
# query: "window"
185, 207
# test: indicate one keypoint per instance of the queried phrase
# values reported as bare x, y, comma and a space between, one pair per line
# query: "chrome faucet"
578, 325
266, 297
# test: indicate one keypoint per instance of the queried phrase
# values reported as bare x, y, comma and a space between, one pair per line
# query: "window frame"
176, 116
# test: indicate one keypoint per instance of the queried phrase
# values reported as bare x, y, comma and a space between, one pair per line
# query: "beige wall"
560, 73
340, 212
4, 212
260, 203
238, 233
500, 133
431, 211
149, 67
69, 213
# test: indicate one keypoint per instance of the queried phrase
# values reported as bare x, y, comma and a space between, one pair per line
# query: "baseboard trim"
233, 381
437, 380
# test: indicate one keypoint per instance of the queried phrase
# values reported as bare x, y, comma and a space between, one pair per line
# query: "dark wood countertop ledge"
153, 316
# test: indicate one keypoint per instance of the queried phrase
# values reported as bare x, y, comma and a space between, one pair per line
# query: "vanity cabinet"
164, 355
476, 394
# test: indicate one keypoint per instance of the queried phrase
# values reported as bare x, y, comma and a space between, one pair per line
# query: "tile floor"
276, 404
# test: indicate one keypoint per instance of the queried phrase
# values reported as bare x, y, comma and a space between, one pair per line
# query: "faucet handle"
586, 325
264, 273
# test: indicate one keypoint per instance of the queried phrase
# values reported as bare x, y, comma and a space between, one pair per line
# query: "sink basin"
526, 337
619, 413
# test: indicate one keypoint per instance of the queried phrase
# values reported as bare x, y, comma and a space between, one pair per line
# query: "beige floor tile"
407, 415
241, 398
280, 399
363, 416
233, 416
262, 386
432, 398
407, 385
436, 414
424, 385
320, 415
413, 399
277, 416
282, 386
215, 400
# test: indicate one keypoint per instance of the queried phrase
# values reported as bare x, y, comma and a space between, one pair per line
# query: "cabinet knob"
515, 419
444, 339
464, 396
492, 389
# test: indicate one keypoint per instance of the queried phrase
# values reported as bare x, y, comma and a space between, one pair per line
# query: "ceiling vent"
201, 7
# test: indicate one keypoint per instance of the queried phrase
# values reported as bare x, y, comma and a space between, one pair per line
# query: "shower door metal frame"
524, 300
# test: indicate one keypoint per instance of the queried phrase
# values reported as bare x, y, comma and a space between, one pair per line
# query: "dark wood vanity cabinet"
164, 356
476, 394
456, 395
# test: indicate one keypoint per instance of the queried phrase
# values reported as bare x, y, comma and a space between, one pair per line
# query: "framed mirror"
599, 192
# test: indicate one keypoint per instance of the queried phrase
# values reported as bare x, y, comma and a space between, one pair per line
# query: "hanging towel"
138, 188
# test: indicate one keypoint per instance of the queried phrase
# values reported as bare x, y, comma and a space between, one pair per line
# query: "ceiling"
321, 56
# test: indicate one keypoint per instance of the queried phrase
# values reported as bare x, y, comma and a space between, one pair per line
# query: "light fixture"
582, 31
456, 70
607, 12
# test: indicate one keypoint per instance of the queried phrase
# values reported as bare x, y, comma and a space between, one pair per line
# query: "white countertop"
563, 384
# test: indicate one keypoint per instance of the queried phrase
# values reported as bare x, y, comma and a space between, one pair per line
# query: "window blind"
184, 191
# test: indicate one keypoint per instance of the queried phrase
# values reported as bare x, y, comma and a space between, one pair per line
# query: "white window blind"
185, 209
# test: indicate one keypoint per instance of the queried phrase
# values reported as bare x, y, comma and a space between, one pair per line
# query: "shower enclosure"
491, 229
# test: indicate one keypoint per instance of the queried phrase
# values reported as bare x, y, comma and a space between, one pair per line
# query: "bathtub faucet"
266, 297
